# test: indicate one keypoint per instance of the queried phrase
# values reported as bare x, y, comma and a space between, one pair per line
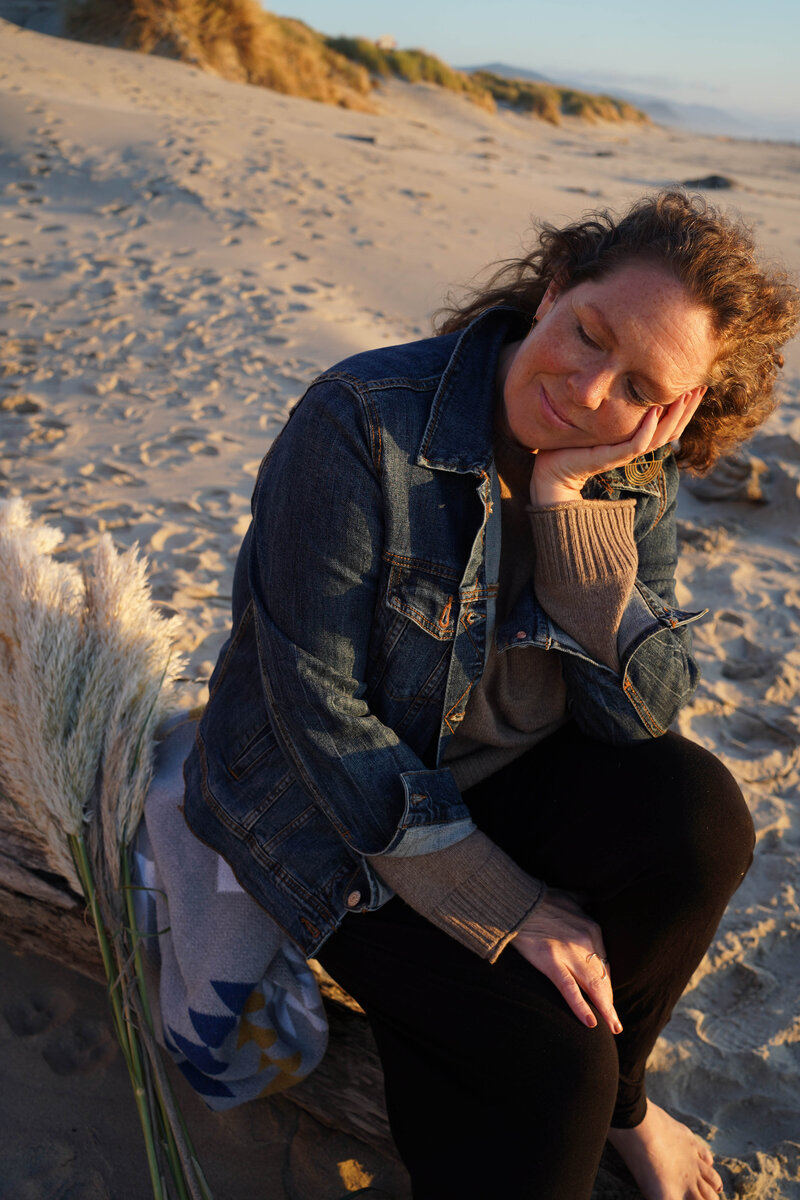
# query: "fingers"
691, 404
576, 977
567, 946
604, 961
673, 419
567, 985
598, 989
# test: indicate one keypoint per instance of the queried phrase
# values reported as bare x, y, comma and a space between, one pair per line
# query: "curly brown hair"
754, 310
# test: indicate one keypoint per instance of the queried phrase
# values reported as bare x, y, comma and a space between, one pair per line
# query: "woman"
454, 660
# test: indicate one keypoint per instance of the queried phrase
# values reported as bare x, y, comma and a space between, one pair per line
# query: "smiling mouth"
553, 412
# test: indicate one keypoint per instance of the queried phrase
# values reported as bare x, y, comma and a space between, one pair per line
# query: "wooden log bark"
40, 915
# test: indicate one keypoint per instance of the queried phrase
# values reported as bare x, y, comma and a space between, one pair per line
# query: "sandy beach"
179, 257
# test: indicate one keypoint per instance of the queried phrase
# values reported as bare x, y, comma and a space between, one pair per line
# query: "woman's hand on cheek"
559, 475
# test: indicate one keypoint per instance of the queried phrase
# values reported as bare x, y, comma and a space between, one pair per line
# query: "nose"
591, 386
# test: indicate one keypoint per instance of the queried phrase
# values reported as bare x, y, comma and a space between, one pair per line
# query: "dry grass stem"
85, 677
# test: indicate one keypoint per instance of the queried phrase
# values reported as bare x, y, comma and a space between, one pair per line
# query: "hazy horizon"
722, 55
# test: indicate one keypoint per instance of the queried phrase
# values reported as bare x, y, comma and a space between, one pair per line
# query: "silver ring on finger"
604, 961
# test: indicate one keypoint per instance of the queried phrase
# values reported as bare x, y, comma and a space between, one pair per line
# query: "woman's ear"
548, 299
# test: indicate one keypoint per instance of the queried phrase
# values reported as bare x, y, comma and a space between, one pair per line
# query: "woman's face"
601, 353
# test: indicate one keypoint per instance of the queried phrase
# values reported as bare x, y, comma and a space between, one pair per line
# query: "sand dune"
179, 256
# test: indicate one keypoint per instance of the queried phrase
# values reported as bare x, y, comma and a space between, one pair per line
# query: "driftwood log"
39, 914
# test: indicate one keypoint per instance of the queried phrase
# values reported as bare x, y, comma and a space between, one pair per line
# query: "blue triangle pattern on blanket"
201, 1084
232, 995
211, 1029
202, 1057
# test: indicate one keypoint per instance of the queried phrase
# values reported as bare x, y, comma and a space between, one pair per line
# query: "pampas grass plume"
86, 669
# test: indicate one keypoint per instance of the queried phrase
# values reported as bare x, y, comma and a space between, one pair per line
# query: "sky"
733, 54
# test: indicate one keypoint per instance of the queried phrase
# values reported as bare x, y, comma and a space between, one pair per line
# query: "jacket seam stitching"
407, 560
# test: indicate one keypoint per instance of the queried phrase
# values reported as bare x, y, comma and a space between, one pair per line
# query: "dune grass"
413, 66
236, 39
551, 102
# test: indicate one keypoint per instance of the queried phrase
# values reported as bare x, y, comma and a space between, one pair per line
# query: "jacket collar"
458, 436
459, 433
643, 475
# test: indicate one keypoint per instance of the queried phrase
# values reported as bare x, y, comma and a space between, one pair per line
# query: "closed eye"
584, 336
636, 397
633, 394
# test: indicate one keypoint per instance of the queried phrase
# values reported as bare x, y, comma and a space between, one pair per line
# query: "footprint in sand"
81, 1047
50, 1172
746, 660
737, 477
20, 404
758, 1121
40, 1010
110, 473
748, 1007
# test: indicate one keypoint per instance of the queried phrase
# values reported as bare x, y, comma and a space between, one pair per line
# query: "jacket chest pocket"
415, 629
430, 601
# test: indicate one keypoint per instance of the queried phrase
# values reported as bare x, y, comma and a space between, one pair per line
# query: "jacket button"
521, 634
353, 899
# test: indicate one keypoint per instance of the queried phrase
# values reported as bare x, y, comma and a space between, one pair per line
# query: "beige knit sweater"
583, 559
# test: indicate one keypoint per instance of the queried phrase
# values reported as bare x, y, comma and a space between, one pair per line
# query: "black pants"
494, 1088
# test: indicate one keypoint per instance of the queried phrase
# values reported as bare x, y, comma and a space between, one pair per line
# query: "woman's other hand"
567, 946
559, 475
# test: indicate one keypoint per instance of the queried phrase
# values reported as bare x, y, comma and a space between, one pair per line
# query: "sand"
179, 257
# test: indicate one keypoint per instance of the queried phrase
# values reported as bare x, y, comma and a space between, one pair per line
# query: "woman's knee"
545, 1049
706, 826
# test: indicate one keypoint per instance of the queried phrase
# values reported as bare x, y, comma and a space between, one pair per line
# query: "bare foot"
666, 1159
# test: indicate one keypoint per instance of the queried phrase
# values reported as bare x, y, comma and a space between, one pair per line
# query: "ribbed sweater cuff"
584, 541
471, 890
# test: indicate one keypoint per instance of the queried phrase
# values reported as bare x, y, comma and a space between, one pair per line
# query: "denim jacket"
363, 601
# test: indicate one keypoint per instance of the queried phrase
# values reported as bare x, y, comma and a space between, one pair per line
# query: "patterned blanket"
238, 1007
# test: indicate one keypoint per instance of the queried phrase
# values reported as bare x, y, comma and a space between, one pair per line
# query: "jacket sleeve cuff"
472, 891
435, 814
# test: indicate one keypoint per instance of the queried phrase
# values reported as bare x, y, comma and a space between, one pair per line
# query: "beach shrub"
412, 66
236, 39
550, 102
539, 99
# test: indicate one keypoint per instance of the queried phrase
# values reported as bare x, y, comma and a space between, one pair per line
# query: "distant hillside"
702, 118
508, 72
238, 40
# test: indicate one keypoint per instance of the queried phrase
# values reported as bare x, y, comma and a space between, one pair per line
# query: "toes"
708, 1173
704, 1152
711, 1182
711, 1178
